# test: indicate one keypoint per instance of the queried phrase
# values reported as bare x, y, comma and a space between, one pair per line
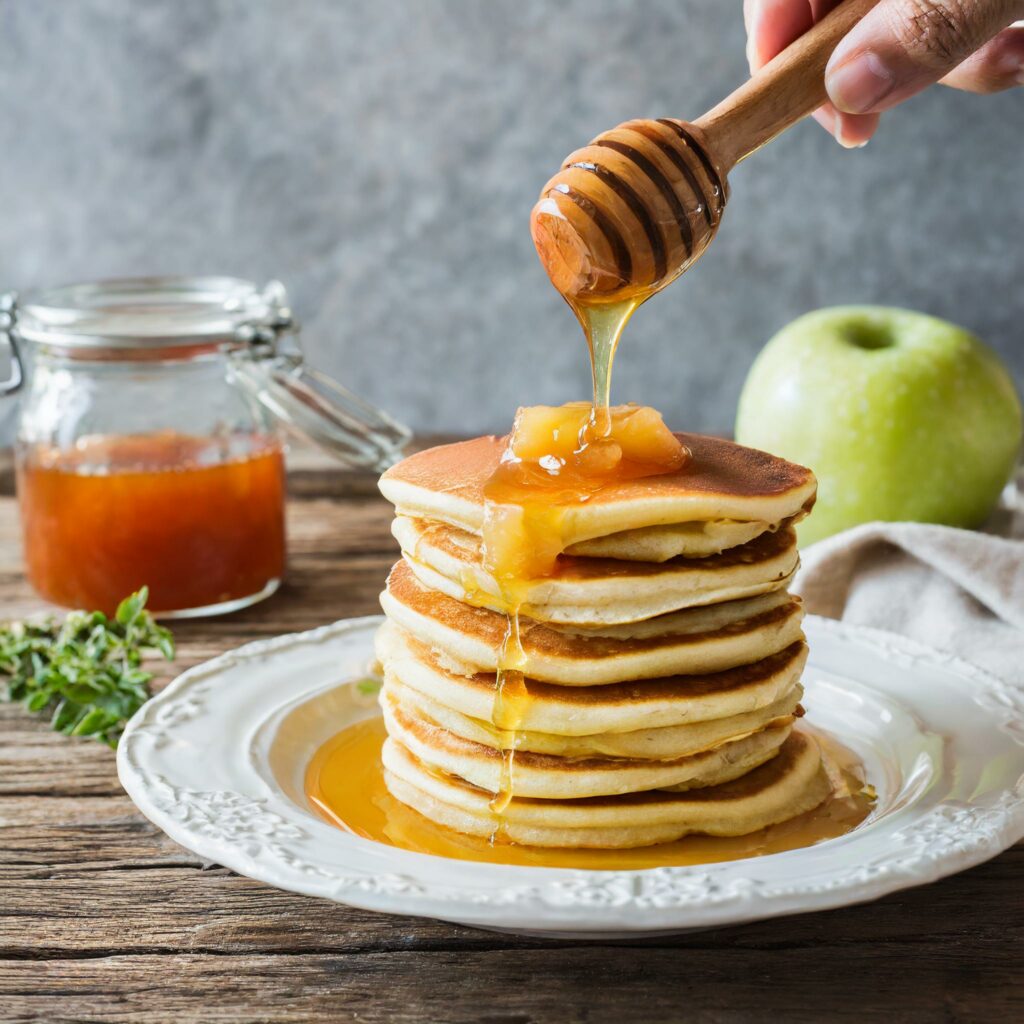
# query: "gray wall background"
381, 157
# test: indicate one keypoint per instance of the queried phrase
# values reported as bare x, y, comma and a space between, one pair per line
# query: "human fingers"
902, 46
998, 65
771, 26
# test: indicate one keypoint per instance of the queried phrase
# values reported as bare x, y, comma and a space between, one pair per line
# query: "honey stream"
345, 784
603, 326
524, 518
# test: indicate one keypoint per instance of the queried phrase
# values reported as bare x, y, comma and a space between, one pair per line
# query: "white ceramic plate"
217, 761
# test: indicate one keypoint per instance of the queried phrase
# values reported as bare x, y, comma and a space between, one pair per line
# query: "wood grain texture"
103, 918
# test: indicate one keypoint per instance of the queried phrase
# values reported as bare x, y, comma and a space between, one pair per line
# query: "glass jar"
148, 449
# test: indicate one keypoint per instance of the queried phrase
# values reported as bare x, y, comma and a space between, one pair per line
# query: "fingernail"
841, 139
860, 84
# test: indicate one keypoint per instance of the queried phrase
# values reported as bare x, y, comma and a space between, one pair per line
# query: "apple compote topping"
569, 439
556, 458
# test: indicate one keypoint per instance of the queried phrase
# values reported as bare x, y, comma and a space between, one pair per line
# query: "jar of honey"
150, 444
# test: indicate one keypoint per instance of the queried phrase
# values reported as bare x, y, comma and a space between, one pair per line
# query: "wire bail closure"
268, 363
261, 337
8, 318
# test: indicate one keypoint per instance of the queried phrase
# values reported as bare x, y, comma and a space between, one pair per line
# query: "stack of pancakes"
661, 660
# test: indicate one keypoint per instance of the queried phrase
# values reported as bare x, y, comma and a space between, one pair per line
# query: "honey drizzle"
603, 326
344, 784
527, 507
510, 699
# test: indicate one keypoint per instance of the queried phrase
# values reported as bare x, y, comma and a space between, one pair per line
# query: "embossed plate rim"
205, 729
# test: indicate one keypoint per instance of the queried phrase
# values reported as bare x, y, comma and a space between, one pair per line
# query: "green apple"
901, 416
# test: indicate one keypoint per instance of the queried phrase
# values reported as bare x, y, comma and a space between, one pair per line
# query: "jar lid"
128, 317
147, 312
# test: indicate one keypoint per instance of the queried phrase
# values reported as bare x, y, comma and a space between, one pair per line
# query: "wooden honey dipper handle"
784, 91
630, 211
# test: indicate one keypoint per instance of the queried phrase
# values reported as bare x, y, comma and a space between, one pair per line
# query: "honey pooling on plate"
344, 783
535, 699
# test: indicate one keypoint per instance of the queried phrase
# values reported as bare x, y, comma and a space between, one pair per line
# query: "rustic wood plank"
516, 986
80, 834
34, 813
104, 860
29, 751
102, 870
151, 907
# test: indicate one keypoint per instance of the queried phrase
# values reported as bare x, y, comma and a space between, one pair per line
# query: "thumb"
902, 46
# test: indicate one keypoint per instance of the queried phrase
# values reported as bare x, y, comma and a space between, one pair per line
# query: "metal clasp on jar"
267, 362
8, 318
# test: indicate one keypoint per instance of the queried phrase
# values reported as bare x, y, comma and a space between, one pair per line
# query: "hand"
898, 49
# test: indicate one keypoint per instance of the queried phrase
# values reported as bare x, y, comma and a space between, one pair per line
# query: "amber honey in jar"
149, 448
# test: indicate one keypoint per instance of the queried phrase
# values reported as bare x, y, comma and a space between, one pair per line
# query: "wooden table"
102, 918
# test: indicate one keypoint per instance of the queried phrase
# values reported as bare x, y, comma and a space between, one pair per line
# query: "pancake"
657, 680
689, 540
722, 481
664, 743
697, 640
550, 777
593, 710
792, 782
598, 590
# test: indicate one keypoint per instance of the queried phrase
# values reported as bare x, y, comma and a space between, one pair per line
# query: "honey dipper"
631, 211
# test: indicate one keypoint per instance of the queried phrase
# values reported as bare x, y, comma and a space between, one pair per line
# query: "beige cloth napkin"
961, 591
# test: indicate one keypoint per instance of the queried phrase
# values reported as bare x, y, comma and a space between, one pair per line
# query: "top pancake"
722, 481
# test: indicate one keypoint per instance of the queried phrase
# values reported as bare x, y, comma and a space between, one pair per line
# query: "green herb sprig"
86, 672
